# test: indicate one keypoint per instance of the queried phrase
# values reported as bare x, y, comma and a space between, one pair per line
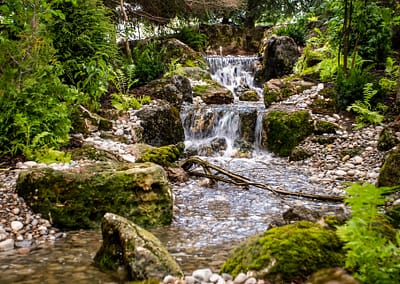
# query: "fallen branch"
235, 179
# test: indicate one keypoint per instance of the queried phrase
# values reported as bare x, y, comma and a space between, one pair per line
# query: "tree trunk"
398, 89
126, 39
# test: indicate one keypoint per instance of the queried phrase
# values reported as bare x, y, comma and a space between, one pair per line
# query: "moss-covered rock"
139, 252
211, 92
249, 96
387, 139
88, 151
276, 90
175, 50
164, 155
299, 154
322, 126
390, 171
290, 252
284, 131
79, 197
332, 276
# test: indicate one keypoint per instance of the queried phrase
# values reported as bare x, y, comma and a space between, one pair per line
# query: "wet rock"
79, 197
161, 124
212, 92
387, 139
278, 254
140, 252
249, 96
300, 213
280, 55
202, 275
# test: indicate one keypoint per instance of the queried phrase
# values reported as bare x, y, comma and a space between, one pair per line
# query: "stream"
208, 220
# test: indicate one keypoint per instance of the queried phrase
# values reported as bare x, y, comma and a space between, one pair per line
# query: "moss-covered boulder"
161, 123
180, 53
287, 253
79, 197
211, 92
322, 126
249, 96
387, 139
164, 155
88, 151
276, 90
331, 276
279, 57
175, 89
282, 131
390, 171
131, 248
300, 153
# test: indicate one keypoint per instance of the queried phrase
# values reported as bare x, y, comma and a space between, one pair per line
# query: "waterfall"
226, 130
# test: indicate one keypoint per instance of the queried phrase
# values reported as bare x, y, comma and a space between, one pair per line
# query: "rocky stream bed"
208, 220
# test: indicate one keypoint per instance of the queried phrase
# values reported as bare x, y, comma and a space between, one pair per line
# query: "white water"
216, 129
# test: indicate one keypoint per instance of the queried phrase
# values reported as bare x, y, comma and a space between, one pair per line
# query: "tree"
33, 101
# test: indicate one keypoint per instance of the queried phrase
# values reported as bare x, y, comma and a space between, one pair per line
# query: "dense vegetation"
56, 55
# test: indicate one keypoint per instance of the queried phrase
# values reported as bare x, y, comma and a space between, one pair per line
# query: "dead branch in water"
226, 176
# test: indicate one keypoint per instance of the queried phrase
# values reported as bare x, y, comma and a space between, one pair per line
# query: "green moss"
390, 171
299, 153
249, 96
80, 197
322, 127
282, 254
286, 130
272, 95
387, 140
198, 89
164, 155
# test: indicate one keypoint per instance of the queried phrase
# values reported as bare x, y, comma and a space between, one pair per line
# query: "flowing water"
209, 220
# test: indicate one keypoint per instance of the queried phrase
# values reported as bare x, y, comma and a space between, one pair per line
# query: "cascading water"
218, 129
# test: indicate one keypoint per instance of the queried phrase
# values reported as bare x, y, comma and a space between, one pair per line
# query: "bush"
193, 38
350, 86
148, 60
373, 246
33, 101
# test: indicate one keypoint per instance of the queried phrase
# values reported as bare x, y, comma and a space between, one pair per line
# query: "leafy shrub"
193, 38
124, 102
86, 47
388, 83
350, 86
373, 246
33, 101
123, 79
297, 31
364, 110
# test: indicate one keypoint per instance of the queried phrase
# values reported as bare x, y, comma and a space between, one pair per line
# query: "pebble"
6, 245
16, 226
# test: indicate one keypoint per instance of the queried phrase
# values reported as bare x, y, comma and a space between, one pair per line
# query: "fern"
373, 247
124, 79
364, 110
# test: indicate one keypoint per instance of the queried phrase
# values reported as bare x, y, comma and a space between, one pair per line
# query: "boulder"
164, 155
212, 92
282, 131
390, 171
174, 89
322, 126
79, 197
130, 248
248, 122
280, 55
287, 253
180, 53
331, 276
276, 90
388, 138
249, 96
161, 123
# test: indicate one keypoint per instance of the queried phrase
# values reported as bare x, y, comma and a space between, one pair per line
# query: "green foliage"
193, 38
350, 86
86, 47
148, 61
124, 78
174, 68
296, 31
373, 247
50, 156
123, 102
33, 101
364, 110
388, 83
